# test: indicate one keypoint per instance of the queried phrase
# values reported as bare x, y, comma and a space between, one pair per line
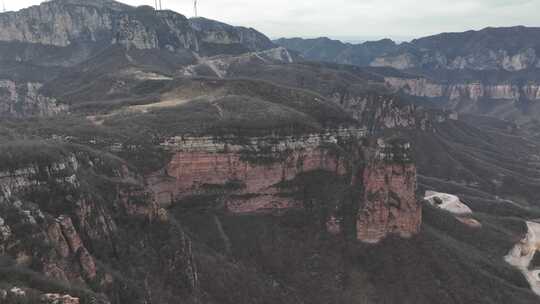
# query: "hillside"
150, 158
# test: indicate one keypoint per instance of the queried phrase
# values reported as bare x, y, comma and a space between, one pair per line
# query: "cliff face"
62, 254
474, 91
389, 205
247, 172
385, 111
489, 59
53, 224
212, 32
63, 23
24, 99
247, 177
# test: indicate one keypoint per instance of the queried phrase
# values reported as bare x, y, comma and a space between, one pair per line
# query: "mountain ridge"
507, 46
63, 23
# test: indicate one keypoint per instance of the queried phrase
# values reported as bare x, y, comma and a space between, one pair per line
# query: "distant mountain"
510, 48
328, 50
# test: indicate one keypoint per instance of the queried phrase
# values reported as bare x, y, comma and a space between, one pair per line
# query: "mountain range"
150, 158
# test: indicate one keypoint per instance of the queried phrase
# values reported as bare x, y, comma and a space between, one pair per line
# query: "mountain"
109, 22
62, 37
493, 71
511, 49
327, 50
150, 158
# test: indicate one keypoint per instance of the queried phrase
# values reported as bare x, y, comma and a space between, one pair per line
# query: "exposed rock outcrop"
20, 99
389, 205
237, 39
488, 59
455, 92
64, 23
448, 202
54, 298
248, 170
246, 175
59, 229
454, 205
523, 253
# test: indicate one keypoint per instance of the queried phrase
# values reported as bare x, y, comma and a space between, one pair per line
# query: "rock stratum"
250, 175
64, 23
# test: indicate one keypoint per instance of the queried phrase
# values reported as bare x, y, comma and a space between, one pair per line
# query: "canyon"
147, 157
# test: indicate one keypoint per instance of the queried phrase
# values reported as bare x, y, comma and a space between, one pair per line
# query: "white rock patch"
523, 253
448, 202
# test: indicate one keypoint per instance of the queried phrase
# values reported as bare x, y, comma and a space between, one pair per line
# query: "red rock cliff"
389, 205
247, 183
247, 174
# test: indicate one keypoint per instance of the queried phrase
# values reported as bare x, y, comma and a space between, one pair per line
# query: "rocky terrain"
488, 72
150, 158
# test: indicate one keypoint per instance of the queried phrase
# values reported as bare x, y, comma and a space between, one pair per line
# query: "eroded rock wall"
249, 172
249, 182
487, 59
22, 99
52, 223
474, 91
64, 23
389, 205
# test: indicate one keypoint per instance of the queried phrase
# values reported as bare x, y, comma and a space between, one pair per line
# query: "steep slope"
101, 46
198, 163
110, 22
219, 38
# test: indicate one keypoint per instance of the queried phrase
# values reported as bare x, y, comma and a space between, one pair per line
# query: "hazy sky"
354, 19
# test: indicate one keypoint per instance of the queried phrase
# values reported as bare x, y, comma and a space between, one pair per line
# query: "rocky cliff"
25, 99
63, 23
246, 171
389, 205
248, 176
474, 91
236, 39
53, 224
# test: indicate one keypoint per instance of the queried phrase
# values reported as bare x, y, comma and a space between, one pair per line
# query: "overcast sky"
353, 19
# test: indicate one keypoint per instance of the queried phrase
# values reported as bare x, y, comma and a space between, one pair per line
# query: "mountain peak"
96, 3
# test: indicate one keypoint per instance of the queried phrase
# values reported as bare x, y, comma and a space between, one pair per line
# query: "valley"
147, 157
